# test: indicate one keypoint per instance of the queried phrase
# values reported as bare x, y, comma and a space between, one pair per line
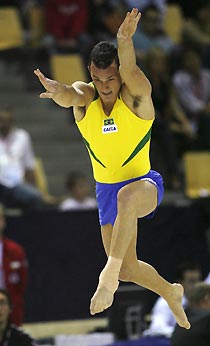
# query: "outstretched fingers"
46, 95
138, 17
130, 22
41, 77
47, 83
134, 15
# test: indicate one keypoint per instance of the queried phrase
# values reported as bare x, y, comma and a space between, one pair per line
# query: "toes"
185, 325
100, 301
188, 326
93, 307
97, 307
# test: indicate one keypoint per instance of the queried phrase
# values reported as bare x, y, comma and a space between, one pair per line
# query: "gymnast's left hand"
128, 27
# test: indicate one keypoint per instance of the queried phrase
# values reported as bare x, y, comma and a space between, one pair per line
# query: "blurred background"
46, 183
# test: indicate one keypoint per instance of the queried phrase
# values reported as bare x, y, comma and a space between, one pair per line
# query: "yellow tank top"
118, 144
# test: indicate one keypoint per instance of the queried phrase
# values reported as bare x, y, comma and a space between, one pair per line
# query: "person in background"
162, 320
79, 193
13, 272
192, 85
10, 335
160, 4
198, 312
66, 22
171, 131
150, 33
17, 164
196, 30
109, 18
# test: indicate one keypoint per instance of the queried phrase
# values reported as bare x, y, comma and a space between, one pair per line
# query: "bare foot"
104, 295
174, 300
101, 300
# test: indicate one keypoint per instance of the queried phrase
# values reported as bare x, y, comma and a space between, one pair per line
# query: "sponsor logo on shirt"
109, 126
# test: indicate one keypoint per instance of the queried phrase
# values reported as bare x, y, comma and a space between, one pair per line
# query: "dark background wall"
65, 254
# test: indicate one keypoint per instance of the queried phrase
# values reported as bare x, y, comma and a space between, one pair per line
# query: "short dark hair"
103, 54
6, 294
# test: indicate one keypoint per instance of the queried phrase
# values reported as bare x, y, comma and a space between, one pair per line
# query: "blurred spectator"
79, 193
192, 84
9, 334
198, 312
162, 319
13, 272
67, 22
94, 7
17, 164
110, 15
160, 4
171, 123
196, 30
150, 33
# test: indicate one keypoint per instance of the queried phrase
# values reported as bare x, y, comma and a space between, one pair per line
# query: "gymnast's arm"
77, 94
133, 77
136, 87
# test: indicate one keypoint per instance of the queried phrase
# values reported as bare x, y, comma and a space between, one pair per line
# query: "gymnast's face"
107, 81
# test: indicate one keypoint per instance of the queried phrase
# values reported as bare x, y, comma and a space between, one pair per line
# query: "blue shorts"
106, 195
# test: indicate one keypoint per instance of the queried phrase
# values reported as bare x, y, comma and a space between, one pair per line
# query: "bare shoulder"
139, 103
89, 92
87, 88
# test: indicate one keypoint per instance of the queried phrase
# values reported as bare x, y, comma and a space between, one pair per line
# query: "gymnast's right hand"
53, 88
